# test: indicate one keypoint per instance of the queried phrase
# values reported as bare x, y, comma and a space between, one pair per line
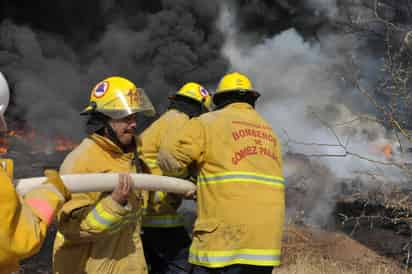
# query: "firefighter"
165, 239
24, 220
100, 232
240, 188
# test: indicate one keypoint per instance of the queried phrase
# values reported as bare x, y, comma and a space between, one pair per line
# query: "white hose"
101, 182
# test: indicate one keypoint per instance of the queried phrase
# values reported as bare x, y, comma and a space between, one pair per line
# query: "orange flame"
387, 150
3, 145
63, 144
59, 143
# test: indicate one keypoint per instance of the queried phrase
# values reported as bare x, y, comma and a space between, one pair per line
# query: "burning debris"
28, 139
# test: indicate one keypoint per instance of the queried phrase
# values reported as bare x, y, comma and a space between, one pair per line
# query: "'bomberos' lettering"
249, 132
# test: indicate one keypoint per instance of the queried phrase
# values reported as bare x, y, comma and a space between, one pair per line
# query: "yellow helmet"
235, 82
196, 92
117, 97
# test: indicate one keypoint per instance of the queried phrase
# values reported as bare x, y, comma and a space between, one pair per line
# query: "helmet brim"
86, 110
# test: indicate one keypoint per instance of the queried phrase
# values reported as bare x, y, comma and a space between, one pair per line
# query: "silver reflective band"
228, 258
101, 219
162, 221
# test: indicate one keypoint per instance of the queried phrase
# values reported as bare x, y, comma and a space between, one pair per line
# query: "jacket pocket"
206, 226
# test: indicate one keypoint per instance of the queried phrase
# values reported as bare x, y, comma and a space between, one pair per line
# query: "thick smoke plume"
54, 52
306, 74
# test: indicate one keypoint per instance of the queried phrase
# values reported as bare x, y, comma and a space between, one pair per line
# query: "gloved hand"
167, 162
54, 179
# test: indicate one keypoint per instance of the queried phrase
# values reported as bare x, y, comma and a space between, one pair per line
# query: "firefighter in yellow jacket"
165, 239
100, 232
240, 190
24, 220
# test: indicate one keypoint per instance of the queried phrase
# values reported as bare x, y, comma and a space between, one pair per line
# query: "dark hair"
187, 105
226, 98
96, 122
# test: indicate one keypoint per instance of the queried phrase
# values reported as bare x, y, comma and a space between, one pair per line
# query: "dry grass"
307, 265
310, 251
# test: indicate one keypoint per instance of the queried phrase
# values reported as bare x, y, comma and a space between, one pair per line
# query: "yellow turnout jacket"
162, 207
24, 220
241, 199
95, 233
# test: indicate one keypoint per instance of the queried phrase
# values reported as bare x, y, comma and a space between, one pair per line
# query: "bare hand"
190, 195
121, 193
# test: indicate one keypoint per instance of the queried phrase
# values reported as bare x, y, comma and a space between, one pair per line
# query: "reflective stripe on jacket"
95, 233
241, 197
162, 208
242, 177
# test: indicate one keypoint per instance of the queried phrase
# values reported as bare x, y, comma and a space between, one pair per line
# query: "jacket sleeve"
150, 141
106, 216
84, 218
187, 146
24, 220
148, 146
88, 216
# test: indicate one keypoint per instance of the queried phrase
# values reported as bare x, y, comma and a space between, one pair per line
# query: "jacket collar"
108, 145
238, 106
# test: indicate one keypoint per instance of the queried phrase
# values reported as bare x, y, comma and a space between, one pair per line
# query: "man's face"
124, 128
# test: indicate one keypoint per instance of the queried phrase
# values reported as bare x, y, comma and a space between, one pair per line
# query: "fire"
30, 138
387, 151
384, 149
63, 144
3, 145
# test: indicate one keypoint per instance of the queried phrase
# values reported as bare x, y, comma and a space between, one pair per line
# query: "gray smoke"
55, 52
306, 80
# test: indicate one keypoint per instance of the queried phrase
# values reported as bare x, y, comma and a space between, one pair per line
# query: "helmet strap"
112, 135
99, 123
95, 122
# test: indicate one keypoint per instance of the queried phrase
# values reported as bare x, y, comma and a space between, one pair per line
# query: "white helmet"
4, 101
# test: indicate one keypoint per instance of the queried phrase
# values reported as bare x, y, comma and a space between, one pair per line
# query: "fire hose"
103, 182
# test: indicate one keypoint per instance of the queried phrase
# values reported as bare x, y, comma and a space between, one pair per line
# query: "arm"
187, 146
25, 220
94, 215
148, 146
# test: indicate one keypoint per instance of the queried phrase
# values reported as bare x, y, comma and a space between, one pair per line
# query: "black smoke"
268, 18
54, 51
